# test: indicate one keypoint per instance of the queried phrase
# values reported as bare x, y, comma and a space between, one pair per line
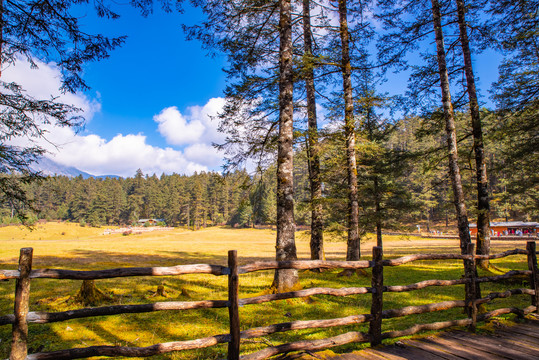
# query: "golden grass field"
69, 246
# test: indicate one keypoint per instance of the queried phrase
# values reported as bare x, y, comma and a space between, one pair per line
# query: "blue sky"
155, 68
151, 104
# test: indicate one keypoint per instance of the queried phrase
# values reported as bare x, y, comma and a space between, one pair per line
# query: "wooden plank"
408, 352
379, 355
534, 352
358, 355
466, 352
370, 354
488, 344
509, 343
449, 348
531, 326
519, 339
518, 330
432, 348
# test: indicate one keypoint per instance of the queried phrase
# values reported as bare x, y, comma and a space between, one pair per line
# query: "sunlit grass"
87, 248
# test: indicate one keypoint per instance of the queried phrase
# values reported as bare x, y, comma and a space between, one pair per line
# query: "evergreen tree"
516, 93
263, 199
454, 170
135, 197
483, 206
317, 226
353, 244
286, 227
384, 197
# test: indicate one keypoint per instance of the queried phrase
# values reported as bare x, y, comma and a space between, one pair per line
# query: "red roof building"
510, 228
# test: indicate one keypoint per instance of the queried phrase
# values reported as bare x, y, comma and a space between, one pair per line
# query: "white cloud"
123, 154
176, 128
199, 125
204, 154
197, 130
45, 82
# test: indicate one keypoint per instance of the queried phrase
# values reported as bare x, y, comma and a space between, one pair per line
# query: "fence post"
471, 286
375, 326
19, 332
534, 277
233, 306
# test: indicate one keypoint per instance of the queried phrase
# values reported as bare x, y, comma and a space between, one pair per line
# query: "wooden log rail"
22, 316
119, 272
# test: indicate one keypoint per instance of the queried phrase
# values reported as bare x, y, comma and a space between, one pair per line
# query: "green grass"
87, 248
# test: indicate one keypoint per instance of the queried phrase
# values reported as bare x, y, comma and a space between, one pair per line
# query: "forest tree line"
414, 189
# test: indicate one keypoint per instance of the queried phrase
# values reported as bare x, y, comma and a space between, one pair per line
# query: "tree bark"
378, 213
353, 245
89, 294
454, 171
285, 242
19, 332
483, 206
317, 226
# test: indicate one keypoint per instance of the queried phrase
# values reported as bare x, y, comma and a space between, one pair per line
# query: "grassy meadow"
69, 246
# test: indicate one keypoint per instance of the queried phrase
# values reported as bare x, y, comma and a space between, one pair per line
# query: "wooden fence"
21, 317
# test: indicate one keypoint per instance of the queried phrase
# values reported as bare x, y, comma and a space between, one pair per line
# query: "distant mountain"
50, 167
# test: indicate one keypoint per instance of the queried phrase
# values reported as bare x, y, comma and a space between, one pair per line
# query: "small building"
150, 222
510, 228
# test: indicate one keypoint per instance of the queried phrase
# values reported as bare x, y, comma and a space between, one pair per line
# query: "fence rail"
22, 316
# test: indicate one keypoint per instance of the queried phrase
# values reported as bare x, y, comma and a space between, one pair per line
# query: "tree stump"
160, 291
89, 294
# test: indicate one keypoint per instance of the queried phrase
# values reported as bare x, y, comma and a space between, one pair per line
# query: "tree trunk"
89, 294
483, 206
454, 171
378, 213
204, 218
317, 226
353, 246
285, 242
428, 220
188, 216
